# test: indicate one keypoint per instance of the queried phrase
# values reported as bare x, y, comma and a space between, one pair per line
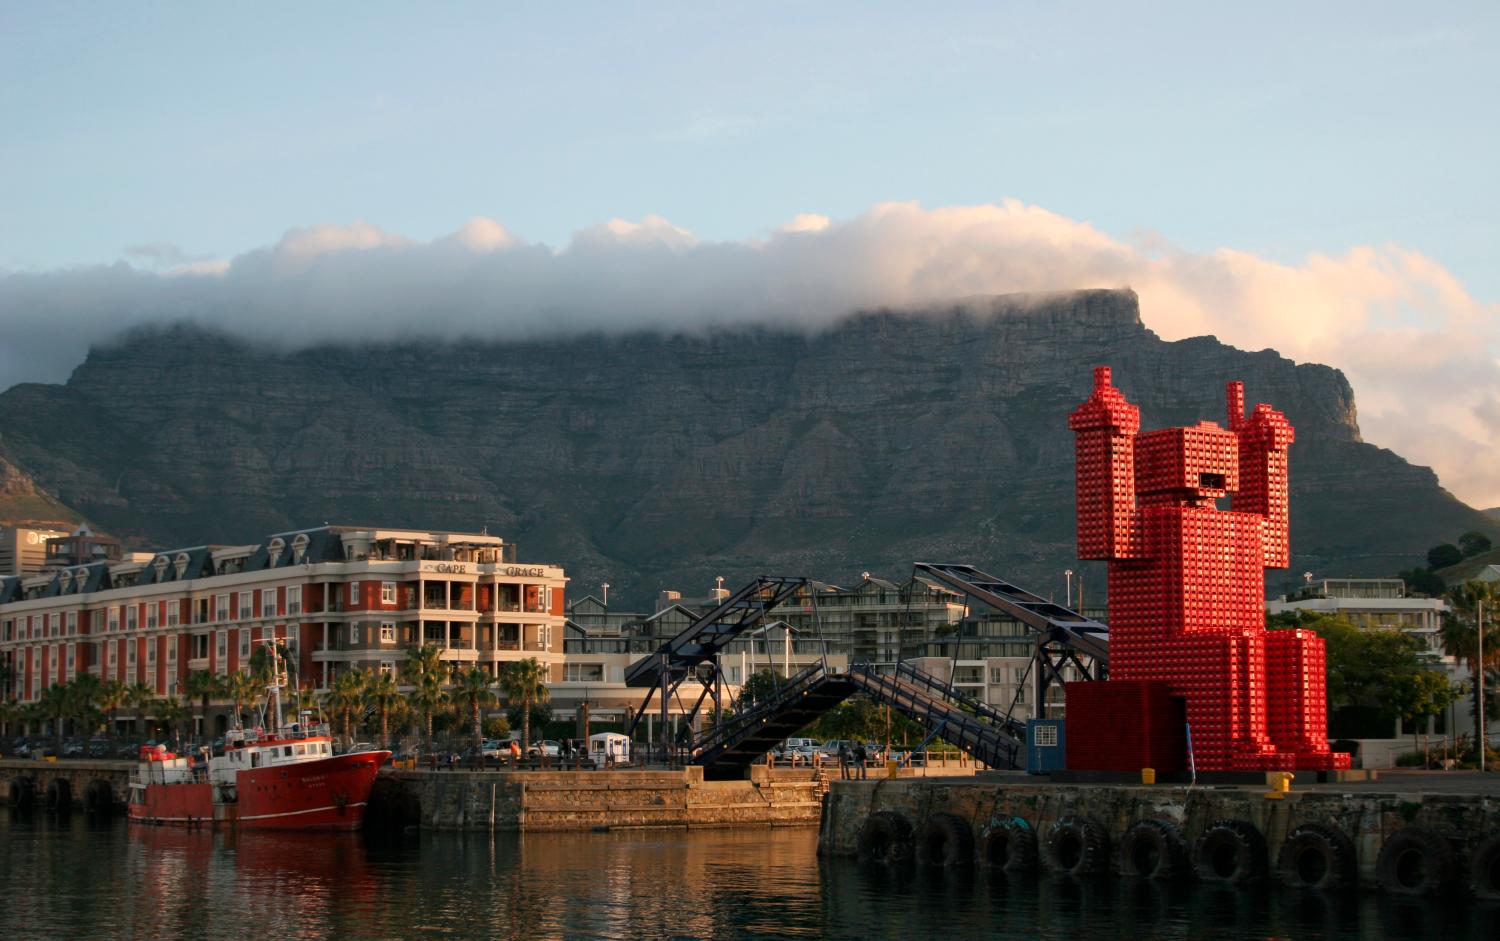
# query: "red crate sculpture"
1187, 582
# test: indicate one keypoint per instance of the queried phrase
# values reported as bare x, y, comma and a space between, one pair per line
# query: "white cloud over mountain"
1419, 349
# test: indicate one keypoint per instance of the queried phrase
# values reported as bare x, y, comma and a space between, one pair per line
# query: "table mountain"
652, 460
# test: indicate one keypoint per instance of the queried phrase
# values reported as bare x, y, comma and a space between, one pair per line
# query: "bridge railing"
993, 745
732, 729
956, 696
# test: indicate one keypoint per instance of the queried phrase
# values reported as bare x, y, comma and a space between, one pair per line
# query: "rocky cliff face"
661, 461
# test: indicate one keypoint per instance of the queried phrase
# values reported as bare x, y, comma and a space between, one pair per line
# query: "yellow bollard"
1284, 785
890, 769
1148, 775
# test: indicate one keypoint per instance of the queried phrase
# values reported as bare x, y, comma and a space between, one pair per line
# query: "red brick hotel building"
340, 597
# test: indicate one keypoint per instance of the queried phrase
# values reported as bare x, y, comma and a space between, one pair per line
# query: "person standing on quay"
843, 761
859, 759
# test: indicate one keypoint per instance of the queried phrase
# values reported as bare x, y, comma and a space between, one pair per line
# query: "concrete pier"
532, 801
1413, 835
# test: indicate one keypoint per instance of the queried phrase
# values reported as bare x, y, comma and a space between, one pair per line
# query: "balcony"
197, 663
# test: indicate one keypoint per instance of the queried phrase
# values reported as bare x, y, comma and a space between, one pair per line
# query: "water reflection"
77, 878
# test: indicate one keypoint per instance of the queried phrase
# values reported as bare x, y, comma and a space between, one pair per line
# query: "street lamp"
1068, 574
605, 588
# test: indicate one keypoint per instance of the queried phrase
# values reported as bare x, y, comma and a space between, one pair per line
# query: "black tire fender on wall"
1484, 870
945, 840
1415, 861
1315, 856
1231, 851
1009, 844
1077, 846
885, 837
1153, 849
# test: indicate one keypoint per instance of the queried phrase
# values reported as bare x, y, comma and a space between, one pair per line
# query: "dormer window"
299, 549
180, 564
274, 550
161, 567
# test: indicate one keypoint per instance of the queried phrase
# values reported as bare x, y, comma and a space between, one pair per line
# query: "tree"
202, 686
473, 692
112, 695
1472, 543
169, 715
242, 689
382, 694
138, 696
1422, 694
525, 682
1423, 582
345, 696
1444, 555
424, 673
83, 700
1461, 633
758, 687
1360, 661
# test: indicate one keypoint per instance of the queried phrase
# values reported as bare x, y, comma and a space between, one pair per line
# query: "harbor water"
78, 877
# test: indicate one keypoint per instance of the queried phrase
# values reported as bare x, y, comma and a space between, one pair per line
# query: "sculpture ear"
1234, 395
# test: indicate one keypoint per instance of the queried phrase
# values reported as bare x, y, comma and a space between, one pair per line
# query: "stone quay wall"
533, 801
95, 784
1444, 837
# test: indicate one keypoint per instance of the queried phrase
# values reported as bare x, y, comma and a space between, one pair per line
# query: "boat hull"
326, 794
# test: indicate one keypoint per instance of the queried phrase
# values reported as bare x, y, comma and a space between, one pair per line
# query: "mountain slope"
661, 461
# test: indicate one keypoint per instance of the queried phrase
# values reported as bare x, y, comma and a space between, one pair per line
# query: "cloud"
1419, 349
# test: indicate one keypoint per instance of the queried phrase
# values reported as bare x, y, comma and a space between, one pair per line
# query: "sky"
1317, 178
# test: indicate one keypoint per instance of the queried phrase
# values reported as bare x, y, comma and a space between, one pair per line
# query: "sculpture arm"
1104, 429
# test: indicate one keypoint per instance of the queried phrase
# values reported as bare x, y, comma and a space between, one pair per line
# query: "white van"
609, 748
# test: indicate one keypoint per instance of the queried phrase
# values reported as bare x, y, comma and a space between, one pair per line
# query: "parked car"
73, 750
494, 748
831, 749
546, 748
802, 747
98, 748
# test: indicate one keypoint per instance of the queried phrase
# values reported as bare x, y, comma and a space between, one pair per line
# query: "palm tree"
381, 694
243, 690
54, 706
424, 672
169, 714
202, 686
112, 695
1460, 632
83, 701
139, 696
473, 692
526, 681
345, 696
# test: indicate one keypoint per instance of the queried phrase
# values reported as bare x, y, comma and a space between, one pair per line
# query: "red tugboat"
281, 779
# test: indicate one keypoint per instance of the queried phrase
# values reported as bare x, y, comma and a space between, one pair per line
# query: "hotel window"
244, 646
221, 607
5, 628
245, 614
72, 623
353, 594
151, 652
221, 645
172, 650
387, 633
71, 658
130, 653
387, 592
353, 634
151, 608
294, 600
388, 667
109, 654
172, 611
584, 673
52, 625
114, 619
132, 617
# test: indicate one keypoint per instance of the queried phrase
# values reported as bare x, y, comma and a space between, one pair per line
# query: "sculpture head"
1197, 464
